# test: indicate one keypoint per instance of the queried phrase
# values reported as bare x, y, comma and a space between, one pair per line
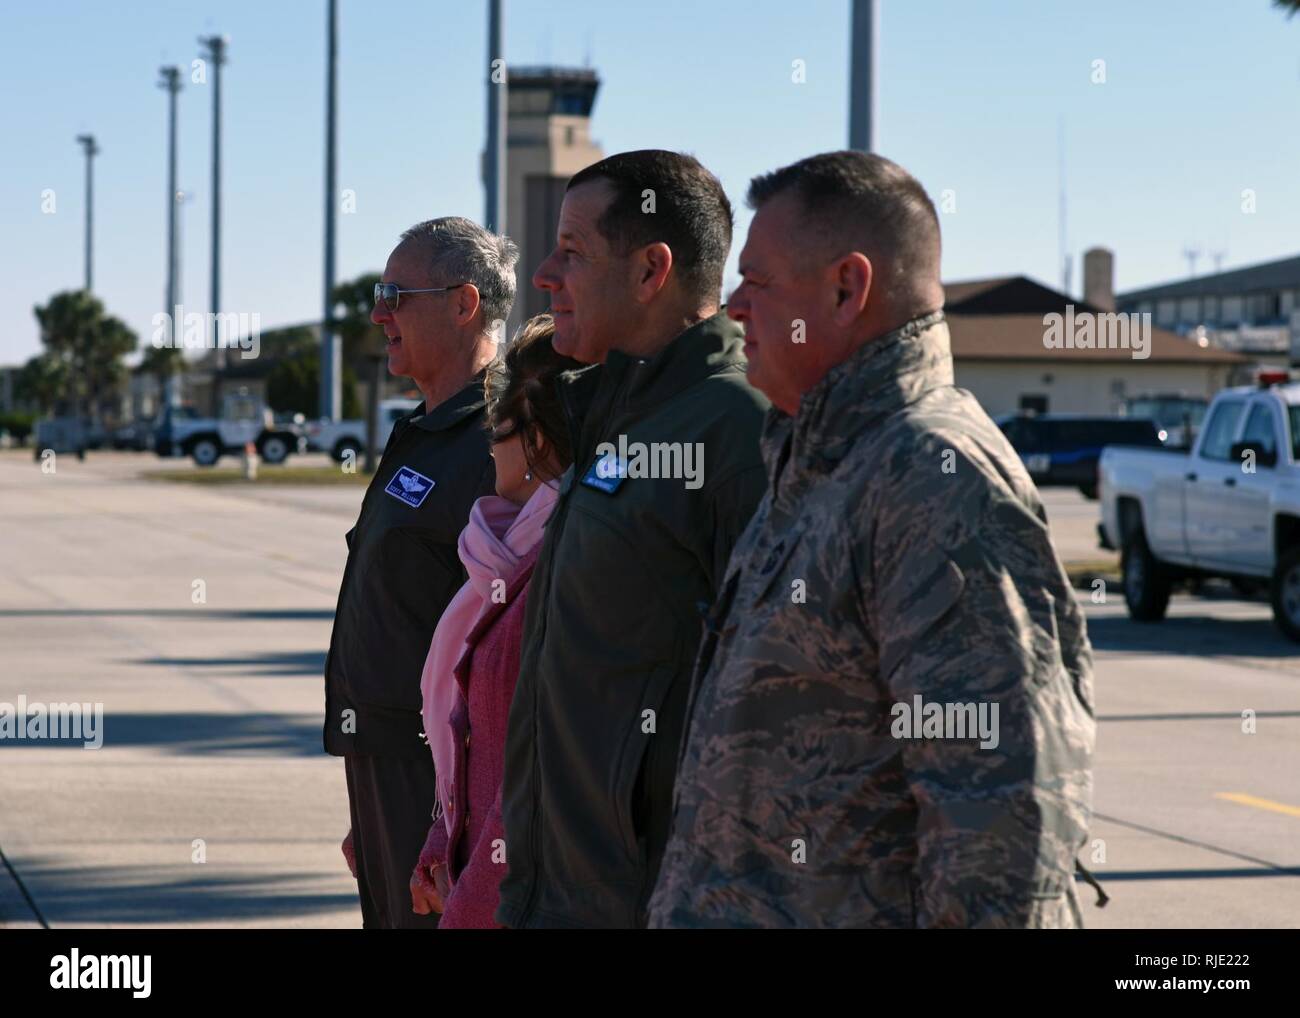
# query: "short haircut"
855, 201
461, 251
521, 390
691, 212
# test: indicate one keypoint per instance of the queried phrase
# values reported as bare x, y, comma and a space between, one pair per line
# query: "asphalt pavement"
199, 616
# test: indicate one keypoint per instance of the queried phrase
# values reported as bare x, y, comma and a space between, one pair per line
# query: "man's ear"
651, 264
467, 303
853, 274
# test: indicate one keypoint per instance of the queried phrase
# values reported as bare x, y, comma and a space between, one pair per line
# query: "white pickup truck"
338, 438
243, 419
1229, 508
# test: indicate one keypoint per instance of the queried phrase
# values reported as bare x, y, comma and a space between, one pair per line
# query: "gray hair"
461, 251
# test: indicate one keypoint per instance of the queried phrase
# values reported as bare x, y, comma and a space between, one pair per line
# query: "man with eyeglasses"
444, 296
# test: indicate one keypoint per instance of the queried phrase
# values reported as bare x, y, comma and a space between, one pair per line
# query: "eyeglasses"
390, 294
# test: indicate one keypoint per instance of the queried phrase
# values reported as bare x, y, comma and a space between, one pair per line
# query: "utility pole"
87, 142
171, 84
863, 59
331, 359
215, 54
182, 199
1061, 235
494, 165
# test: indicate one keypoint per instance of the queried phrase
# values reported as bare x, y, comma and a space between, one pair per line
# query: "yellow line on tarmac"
1268, 804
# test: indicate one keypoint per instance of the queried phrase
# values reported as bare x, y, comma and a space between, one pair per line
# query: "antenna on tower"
1217, 257
1191, 253
1061, 239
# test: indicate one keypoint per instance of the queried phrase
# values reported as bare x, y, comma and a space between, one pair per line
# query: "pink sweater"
474, 848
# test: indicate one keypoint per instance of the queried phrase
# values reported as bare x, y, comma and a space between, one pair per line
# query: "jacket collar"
880, 377
465, 403
703, 349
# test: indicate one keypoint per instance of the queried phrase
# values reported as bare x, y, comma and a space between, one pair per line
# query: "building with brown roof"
1007, 349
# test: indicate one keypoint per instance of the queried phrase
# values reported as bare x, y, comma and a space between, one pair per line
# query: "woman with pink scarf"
469, 675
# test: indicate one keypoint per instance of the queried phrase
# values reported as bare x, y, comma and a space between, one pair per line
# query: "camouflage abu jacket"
892, 720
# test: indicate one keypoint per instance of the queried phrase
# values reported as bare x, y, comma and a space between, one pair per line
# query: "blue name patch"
606, 474
410, 486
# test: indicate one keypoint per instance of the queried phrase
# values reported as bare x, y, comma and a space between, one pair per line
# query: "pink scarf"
499, 534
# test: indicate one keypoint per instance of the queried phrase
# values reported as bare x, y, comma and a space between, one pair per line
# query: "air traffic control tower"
548, 140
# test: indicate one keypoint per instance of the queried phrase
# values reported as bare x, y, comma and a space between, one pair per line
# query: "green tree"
293, 386
43, 380
162, 362
89, 344
361, 337
293, 341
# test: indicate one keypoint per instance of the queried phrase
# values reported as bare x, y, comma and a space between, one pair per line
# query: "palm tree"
87, 346
1291, 7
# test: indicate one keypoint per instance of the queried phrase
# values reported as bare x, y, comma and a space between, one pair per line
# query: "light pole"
171, 83
494, 165
215, 53
87, 142
183, 198
863, 58
331, 367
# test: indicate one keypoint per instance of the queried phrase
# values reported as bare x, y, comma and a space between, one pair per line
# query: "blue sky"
1201, 101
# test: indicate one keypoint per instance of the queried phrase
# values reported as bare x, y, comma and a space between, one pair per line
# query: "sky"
1193, 105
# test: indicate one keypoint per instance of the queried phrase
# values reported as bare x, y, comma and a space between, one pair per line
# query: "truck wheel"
1146, 581
1286, 595
343, 447
274, 449
205, 452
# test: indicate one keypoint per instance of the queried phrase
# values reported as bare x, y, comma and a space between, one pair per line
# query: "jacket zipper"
558, 520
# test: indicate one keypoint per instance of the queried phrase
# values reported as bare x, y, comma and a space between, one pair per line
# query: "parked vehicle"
61, 434
1178, 418
1228, 508
1063, 449
169, 420
243, 419
97, 435
137, 435
338, 438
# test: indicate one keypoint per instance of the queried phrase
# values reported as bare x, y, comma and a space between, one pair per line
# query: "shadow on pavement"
200, 734
307, 662
1221, 715
243, 614
72, 895
1192, 636
1235, 873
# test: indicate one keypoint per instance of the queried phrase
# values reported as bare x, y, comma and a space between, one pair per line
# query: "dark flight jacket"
613, 623
403, 568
